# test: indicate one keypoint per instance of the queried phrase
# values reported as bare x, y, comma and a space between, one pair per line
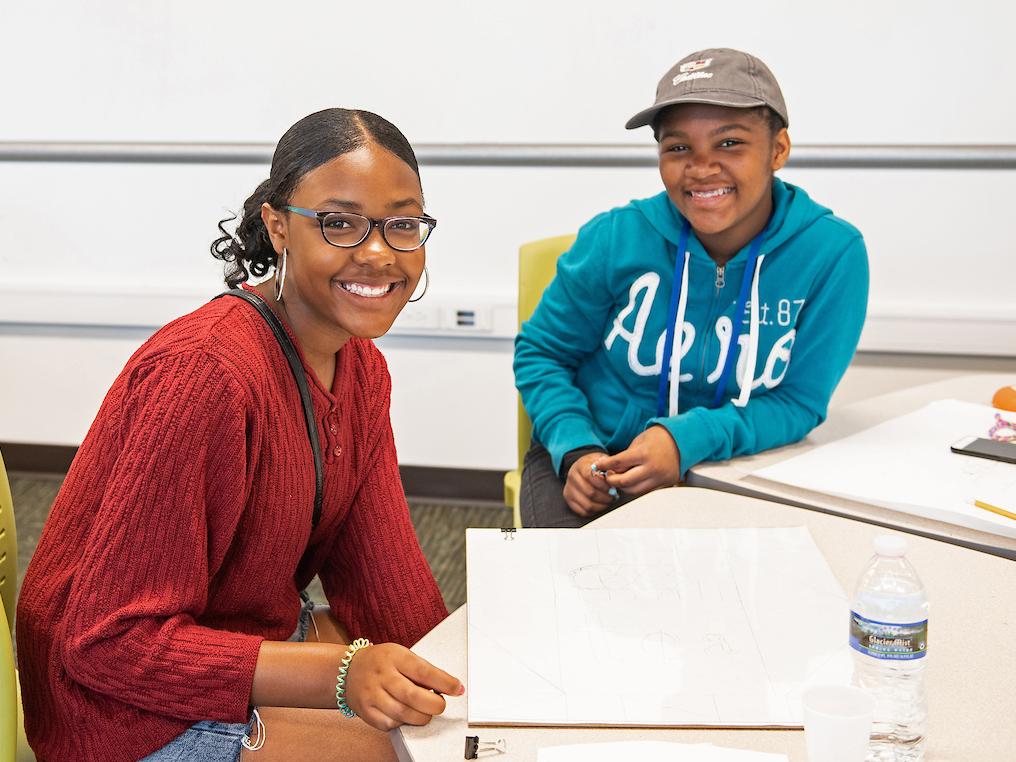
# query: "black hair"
314, 140
766, 114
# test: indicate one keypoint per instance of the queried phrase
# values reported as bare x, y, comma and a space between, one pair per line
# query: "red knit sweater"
182, 535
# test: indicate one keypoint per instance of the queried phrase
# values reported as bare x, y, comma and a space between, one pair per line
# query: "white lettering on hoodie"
776, 365
649, 283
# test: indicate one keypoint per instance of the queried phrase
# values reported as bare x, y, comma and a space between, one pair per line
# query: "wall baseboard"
420, 482
37, 458
456, 484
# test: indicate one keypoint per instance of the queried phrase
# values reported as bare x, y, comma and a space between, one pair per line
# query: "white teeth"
371, 292
712, 193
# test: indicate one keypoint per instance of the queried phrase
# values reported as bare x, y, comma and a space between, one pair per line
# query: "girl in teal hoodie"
709, 321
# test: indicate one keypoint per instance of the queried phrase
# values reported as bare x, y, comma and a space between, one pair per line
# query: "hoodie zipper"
721, 281
711, 317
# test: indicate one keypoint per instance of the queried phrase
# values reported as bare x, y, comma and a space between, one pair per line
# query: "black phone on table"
986, 448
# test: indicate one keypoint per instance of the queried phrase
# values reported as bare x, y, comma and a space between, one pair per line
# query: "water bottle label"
883, 640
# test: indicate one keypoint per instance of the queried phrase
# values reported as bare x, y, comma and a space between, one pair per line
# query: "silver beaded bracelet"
340, 679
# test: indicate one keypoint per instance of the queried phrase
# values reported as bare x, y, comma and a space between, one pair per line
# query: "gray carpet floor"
440, 526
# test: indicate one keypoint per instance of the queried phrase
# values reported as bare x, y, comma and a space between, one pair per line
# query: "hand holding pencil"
388, 685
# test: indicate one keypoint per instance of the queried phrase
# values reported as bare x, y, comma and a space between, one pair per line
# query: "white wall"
97, 248
910, 71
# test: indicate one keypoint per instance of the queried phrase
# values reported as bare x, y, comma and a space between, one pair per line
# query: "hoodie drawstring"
675, 358
678, 299
749, 369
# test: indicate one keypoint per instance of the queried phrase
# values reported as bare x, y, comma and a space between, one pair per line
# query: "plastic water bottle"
889, 635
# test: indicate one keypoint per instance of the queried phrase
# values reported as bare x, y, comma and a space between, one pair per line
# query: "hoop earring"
426, 285
280, 275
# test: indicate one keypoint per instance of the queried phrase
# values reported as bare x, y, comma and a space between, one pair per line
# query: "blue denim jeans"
210, 741
205, 741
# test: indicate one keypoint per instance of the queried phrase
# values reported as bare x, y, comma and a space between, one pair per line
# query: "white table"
737, 475
972, 658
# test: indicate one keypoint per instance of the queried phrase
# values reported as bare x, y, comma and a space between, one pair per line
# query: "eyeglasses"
347, 229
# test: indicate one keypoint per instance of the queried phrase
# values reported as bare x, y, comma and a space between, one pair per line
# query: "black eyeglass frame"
371, 224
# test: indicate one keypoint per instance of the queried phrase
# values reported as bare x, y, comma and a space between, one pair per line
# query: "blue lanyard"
675, 295
735, 328
668, 343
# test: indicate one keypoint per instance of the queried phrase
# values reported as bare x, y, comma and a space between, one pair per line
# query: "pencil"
995, 509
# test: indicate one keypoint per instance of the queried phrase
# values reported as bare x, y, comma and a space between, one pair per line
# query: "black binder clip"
475, 747
507, 533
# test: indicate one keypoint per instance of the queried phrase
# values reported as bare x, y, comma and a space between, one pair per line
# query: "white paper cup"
837, 723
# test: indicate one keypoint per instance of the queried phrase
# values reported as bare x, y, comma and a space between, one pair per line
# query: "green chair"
537, 265
8, 694
13, 745
8, 548
8, 583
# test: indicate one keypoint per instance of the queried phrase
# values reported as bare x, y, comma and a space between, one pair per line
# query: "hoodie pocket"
633, 421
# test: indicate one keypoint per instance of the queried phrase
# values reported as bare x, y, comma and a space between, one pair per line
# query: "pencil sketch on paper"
714, 627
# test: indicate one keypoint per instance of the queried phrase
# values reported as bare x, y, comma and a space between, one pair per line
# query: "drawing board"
652, 751
905, 464
650, 627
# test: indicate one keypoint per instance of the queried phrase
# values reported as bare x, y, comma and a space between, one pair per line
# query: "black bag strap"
301, 382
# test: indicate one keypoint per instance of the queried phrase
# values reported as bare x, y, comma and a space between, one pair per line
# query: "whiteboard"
650, 627
868, 71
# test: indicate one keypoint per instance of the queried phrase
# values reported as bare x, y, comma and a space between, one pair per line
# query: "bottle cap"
890, 545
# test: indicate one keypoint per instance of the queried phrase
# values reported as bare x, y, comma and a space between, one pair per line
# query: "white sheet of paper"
905, 464
653, 627
652, 751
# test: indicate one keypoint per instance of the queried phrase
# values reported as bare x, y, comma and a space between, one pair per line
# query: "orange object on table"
1005, 398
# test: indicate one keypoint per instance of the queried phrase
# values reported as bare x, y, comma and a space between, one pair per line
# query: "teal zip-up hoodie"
588, 362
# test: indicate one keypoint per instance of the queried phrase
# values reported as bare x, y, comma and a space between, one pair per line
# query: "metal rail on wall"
521, 155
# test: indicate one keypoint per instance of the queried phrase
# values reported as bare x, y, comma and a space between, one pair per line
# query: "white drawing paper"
652, 751
905, 464
654, 627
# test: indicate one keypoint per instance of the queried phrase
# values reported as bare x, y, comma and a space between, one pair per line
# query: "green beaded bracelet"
340, 679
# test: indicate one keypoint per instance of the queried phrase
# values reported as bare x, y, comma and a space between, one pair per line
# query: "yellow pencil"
995, 509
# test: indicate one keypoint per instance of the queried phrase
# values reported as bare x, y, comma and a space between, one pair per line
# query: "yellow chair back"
8, 548
8, 584
8, 694
537, 265
13, 744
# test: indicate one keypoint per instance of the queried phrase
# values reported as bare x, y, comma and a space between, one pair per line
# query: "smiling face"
717, 165
357, 291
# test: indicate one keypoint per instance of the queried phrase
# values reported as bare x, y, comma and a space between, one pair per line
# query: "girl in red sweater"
157, 616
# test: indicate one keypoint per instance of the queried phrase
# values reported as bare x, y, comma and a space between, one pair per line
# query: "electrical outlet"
481, 318
418, 317
467, 319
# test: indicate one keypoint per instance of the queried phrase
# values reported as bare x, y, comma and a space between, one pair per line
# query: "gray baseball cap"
720, 76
